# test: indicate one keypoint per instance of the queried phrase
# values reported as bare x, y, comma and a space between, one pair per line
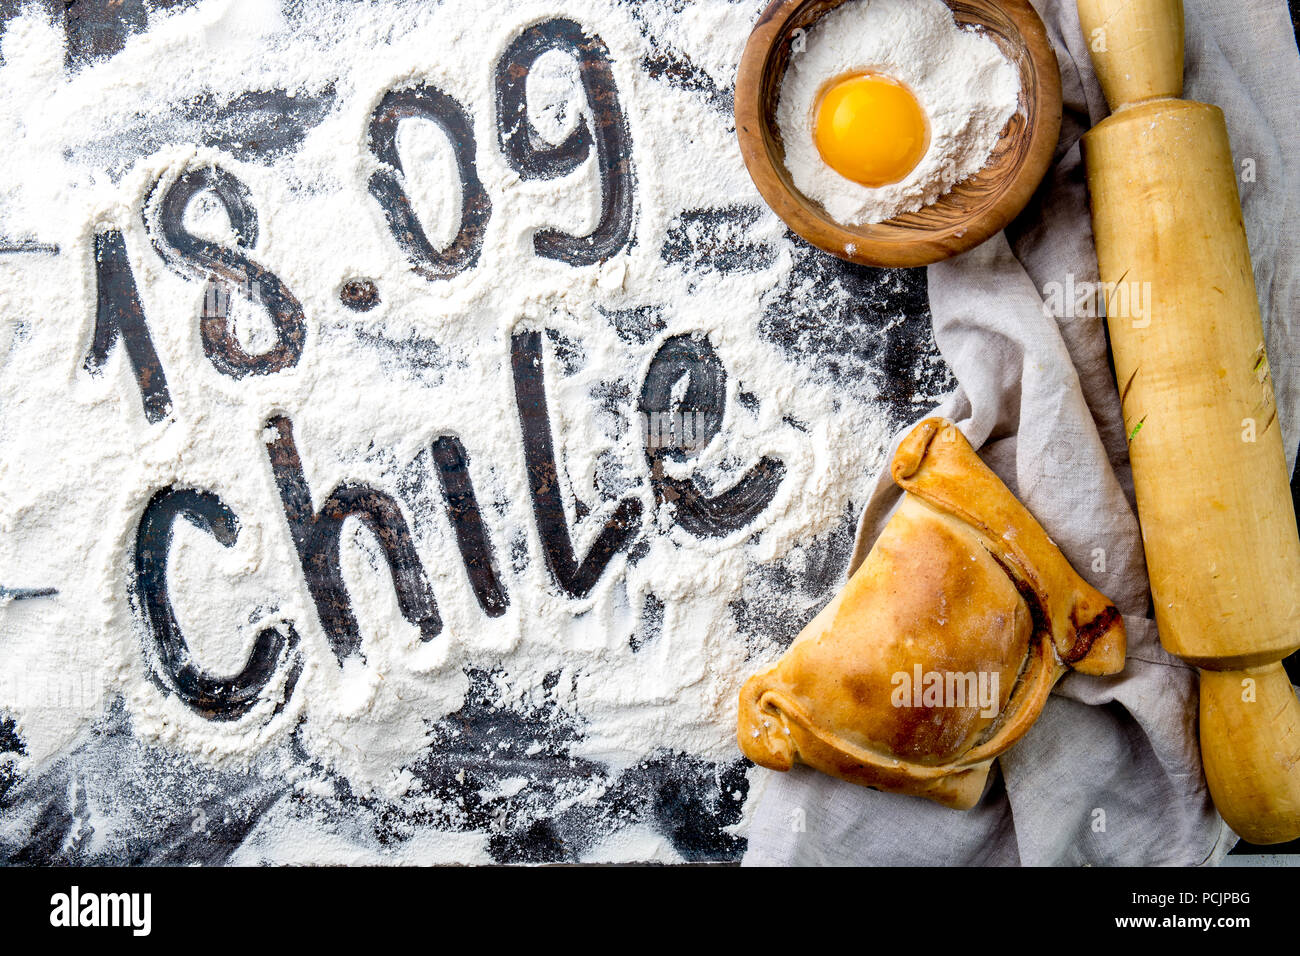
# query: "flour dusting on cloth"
401, 460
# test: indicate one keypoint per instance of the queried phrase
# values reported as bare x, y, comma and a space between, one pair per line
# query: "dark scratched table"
869, 327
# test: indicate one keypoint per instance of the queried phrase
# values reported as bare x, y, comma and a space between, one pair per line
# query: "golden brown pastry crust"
963, 581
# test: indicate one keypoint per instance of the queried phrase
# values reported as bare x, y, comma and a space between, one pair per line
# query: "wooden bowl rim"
802, 214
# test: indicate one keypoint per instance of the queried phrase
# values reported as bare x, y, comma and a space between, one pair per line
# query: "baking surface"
509, 768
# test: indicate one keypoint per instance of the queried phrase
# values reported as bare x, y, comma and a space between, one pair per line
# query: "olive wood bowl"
961, 219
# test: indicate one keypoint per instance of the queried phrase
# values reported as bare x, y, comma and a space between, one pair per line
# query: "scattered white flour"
965, 85
79, 461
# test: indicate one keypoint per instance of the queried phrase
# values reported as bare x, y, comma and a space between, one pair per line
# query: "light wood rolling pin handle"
1137, 48
1209, 466
1251, 750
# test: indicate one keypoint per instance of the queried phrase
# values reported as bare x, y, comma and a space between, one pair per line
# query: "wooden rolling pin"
1208, 460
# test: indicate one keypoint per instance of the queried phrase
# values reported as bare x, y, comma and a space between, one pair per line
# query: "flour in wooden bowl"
966, 87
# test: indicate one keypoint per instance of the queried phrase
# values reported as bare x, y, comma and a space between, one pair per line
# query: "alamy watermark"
57, 690
219, 296
1073, 299
947, 689
684, 431
73, 909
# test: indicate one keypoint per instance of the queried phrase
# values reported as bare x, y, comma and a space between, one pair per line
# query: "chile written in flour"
450, 464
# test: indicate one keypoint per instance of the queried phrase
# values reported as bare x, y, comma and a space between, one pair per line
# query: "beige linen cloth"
1111, 773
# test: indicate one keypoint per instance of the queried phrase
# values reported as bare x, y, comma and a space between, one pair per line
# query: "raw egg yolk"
870, 129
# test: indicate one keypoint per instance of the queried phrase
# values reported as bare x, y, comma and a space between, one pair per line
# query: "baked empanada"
941, 650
